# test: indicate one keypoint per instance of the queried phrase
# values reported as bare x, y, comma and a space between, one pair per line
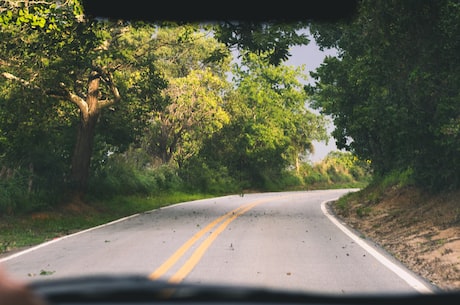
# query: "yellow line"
181, 251
199, 252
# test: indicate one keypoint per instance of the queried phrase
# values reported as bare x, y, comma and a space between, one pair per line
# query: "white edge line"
44, 244
403, 274
63, 237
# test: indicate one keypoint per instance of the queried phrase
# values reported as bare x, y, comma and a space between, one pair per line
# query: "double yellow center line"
193, 260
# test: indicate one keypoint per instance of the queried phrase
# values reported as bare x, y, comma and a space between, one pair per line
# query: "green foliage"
17, 231
46, 15
396, 178
314, 176
193, 94
34, 148
52, 69
286, 180
393, 91
129, 174
13, 192
271, 40
270, 127
337, 168
343, 205
359, 202
21, 190
379, 185
178, 123
209, 178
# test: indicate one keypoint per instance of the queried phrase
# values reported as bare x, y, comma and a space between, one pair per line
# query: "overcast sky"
312, 57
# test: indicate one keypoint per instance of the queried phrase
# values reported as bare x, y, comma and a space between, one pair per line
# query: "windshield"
307, 154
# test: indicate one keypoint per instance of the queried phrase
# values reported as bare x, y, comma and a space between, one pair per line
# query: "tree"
269, 40
393, 91
31, 30
66, 58
270, 126
271, 37
194, 94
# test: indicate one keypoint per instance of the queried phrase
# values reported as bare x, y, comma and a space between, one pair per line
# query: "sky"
312, 57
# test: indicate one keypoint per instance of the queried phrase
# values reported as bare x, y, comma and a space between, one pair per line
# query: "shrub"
18, 194
119, 177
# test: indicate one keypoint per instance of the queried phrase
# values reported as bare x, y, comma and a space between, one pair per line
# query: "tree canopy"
394, 90
77, 92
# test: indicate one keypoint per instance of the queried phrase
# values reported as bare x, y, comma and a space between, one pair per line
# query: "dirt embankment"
421, 230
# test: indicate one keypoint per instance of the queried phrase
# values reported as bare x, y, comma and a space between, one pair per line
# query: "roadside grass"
328, 186
21, 231
22, 227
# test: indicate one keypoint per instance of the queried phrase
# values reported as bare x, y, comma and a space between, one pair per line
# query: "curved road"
284, 240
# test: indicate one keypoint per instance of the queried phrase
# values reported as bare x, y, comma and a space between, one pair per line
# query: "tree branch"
63, 93
81, 103
108, 79
22, 81
66, 94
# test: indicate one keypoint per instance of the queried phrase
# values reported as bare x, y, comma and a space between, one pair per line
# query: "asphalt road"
284, 240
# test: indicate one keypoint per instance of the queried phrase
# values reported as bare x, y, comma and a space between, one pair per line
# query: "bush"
12, 193
119, 177
18, 194
203, 178
337, 169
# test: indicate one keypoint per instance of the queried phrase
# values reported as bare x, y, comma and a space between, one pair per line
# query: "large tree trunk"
83, 150
90, 109
81, 158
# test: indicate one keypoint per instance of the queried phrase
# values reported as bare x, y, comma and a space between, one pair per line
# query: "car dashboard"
139, 290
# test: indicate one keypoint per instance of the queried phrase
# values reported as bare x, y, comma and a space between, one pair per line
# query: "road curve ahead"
285, 240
